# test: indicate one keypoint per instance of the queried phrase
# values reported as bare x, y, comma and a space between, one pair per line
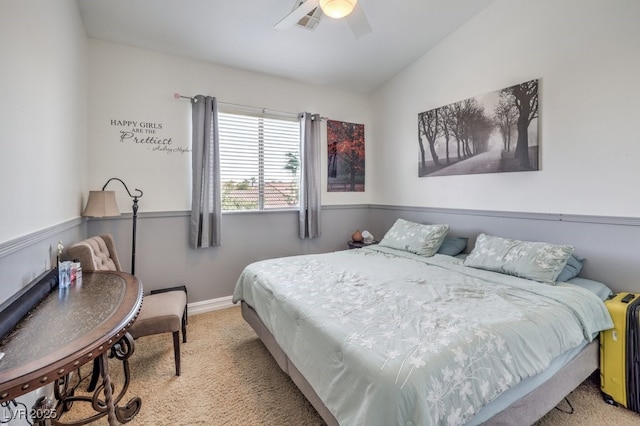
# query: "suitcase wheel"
609, 400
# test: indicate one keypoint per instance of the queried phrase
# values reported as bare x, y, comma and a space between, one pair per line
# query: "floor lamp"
103, 204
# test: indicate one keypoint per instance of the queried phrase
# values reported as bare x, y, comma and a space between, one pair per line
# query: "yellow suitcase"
619, 352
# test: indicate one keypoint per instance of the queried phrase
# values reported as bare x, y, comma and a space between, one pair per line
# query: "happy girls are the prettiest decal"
149, 135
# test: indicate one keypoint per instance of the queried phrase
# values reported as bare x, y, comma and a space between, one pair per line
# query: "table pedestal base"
64, 393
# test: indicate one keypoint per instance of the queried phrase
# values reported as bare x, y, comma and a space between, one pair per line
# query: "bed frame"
524, 411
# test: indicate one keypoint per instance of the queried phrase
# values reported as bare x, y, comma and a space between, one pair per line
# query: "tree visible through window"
259, 161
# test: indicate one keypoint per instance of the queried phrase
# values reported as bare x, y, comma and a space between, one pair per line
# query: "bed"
388, 335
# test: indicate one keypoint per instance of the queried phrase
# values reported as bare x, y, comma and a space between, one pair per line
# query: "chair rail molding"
27, 240
562, 217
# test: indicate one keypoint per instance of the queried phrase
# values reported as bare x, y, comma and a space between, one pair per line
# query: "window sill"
235, 212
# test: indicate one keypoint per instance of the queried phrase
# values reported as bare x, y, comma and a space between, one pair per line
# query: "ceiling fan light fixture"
337, 8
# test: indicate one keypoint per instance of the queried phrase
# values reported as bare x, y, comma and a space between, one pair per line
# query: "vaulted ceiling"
241, 34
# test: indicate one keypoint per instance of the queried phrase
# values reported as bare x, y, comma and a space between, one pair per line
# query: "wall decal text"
147, 134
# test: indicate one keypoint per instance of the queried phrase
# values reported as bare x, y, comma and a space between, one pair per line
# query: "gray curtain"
310, 175
205, 167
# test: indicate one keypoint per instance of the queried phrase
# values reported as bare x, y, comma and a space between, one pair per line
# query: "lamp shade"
101, 204
337, 8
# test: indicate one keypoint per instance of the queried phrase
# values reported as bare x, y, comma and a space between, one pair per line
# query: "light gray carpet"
229, 378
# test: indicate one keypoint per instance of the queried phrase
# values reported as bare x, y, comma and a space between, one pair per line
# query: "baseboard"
210, 305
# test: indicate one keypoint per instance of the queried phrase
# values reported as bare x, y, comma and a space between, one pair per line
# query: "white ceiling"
240, 33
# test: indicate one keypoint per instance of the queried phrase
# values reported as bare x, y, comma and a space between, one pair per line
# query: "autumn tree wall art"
345, 156
491, 133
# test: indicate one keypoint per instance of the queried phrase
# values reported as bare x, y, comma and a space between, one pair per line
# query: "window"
259, 161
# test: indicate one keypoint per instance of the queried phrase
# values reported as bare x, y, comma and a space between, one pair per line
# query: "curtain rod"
264, 110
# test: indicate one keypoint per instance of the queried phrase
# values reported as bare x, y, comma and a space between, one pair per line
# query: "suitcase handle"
628, 298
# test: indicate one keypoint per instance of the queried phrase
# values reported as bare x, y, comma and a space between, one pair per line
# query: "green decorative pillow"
452, 246
571, 269
541, 262
415, 238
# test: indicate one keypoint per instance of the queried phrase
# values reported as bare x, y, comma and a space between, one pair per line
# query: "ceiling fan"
307, 12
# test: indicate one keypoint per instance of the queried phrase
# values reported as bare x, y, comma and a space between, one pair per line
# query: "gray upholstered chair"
161, 312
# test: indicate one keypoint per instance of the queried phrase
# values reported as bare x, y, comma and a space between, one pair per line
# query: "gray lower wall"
164, 258
24, 259
609, 244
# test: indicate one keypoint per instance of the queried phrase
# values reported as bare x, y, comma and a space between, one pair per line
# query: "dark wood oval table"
67, 329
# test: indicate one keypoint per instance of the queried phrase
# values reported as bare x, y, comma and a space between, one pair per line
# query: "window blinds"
259, 161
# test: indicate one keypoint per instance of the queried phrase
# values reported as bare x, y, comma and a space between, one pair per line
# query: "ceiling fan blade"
358, 22
297, 14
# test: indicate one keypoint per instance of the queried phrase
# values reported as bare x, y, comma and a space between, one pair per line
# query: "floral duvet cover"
387, 337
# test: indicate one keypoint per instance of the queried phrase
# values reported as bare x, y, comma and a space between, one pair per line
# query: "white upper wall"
135, 85
586, 55
43, 103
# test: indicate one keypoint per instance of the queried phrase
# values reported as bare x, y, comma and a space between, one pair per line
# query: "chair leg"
184, 326
95, 375
176, 350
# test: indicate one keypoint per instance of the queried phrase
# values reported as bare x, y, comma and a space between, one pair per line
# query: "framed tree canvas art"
345, 156
492, 133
